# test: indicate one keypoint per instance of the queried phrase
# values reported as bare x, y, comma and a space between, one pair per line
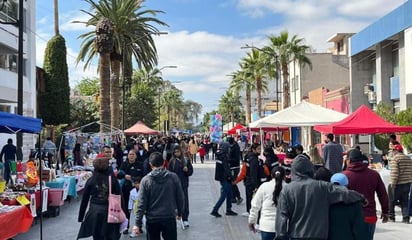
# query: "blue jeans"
370, 230
225, 193
7, 170
267, 235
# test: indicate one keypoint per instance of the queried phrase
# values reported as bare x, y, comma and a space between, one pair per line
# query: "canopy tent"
362, 121
228, 126
12, 123
140, 128
234, 129
299, 115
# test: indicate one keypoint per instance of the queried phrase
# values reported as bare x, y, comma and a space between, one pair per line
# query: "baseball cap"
398, 147
339, 178
291, 152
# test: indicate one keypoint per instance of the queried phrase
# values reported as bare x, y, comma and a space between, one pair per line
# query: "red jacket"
202, 151
367, 182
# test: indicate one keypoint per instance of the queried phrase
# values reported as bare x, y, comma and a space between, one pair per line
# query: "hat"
355, 155
339, 178
291, 152
398, 147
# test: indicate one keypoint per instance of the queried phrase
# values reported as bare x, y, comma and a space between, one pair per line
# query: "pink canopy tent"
140, 128
362, 121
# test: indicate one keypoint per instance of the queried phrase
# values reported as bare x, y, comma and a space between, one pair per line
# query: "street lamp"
124, 69
276, 56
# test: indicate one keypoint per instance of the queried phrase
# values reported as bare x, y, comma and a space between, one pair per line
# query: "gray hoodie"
160, 195
303, 207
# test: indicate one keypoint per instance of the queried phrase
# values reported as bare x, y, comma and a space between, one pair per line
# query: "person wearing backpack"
224, 176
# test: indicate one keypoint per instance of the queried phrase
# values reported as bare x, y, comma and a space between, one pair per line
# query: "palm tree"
104, 45
241, 81
229, 106
172, 100
132, 37
254, 66
287, 50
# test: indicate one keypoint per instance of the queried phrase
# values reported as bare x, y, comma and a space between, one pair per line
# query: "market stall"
14, 220
10, 215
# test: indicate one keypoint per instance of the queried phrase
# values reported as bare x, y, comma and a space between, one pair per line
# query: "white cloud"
67, 22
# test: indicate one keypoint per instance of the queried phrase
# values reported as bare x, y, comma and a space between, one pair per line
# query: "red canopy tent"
140, 128
234, 129
362, 121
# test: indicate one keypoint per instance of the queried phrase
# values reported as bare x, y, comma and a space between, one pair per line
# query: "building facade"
8, 64
380, 60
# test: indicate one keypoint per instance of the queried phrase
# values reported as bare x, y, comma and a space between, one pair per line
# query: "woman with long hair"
180, 165
265, 202
95, 197
315, 158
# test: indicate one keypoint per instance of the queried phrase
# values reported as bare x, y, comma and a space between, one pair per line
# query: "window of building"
9, 11
395, 60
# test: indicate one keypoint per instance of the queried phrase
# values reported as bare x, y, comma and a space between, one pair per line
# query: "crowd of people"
327, 194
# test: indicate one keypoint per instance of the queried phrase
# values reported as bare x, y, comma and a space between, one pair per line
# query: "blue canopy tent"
12, 124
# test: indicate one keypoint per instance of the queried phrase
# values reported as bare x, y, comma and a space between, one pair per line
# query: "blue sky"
205, 37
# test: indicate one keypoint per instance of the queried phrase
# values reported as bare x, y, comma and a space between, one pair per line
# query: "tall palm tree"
229, 106
241, 81
104, 45
132, 37
287, 49
254, 65
172, 100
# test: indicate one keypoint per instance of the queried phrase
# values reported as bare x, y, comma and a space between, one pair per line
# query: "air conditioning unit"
372, 97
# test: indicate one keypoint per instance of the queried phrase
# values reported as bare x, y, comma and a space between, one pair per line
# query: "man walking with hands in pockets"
160, 196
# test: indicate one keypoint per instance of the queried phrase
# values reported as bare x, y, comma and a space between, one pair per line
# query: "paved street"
203, 191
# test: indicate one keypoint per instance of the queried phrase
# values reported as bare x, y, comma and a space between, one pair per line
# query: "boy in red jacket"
202, 153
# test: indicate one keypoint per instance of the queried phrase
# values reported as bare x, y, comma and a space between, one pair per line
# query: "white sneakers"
186, 224
245, 214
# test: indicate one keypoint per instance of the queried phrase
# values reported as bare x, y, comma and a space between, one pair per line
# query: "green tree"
54, 104
132, 37
405, 119
88, 86
230, 107
287, 49
385, 111
83, 112
254, 67
241, 80
141, 106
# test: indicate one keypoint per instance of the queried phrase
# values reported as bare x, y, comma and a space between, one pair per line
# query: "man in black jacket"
235, 156
224, 176
160, 195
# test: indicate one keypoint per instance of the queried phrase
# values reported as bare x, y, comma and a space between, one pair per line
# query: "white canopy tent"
303, 114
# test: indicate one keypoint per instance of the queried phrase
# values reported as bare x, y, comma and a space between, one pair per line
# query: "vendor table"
17, 221
59, 183
76, 183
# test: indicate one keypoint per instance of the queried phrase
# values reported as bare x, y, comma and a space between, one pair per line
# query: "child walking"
202, 153
132, 206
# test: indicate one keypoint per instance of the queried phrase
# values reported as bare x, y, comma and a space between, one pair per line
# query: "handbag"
115, 213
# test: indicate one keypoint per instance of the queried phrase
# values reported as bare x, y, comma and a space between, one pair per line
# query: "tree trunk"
259, 96
56, 17
286, 88
248, 105
104, 63
115, 93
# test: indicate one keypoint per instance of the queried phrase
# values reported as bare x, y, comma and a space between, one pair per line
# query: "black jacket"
222, 169
235, 155
160, 195
176, 166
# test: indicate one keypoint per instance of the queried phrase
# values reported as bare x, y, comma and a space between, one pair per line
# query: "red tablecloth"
14, 222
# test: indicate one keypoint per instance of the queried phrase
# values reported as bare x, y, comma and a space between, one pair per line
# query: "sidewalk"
203, 193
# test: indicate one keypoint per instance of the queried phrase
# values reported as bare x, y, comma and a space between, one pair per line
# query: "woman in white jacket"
265, 201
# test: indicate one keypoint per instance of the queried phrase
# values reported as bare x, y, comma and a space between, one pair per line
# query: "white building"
8, 64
